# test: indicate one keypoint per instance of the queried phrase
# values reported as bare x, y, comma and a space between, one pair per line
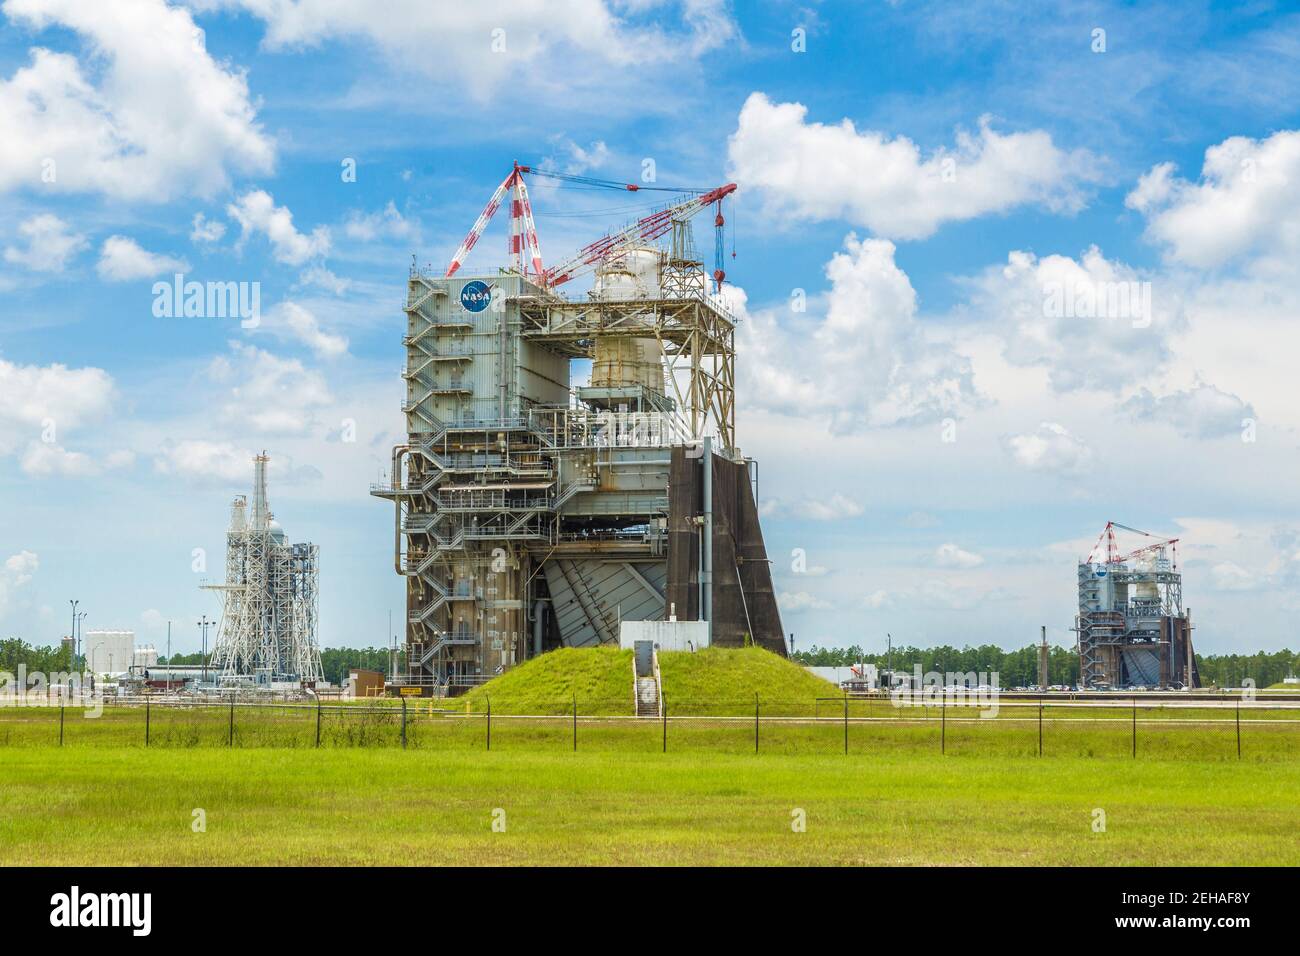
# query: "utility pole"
1042, 662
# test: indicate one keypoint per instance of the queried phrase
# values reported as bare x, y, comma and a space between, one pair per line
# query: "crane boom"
525, 249
1112, 548
646, 229
523, 231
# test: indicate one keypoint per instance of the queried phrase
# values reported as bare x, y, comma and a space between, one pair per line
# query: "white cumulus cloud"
951, 556
43, 401
1246, 203
302, 325
203, 229
256, 212
122, 258
814, 171
1202, 411
1050, 449
1091, 322
858, 358
148, 115
49, 244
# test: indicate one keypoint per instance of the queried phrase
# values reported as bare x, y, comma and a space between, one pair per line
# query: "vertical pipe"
489, 723
61, 706
1135, 726
664, 712
539, 608
230, 739
318, 722
846, 725
403, 723
756, 722
575, 723
706, 570
146, 721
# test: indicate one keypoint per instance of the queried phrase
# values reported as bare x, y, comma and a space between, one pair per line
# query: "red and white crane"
1112, 548
525, 250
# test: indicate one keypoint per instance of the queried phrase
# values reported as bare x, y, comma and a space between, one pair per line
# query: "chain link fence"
850, 725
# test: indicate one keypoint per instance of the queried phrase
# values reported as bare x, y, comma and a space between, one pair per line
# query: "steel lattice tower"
268, 621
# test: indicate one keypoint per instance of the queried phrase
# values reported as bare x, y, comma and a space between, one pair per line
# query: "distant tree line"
1014, 668
1228, 670
335, 661
47, 660
1019, 668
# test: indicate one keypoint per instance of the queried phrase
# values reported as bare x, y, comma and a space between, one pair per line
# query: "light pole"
76, 648
889, 652
204, 624
80, 617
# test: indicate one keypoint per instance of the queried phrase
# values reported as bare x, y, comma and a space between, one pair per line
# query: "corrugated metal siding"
590, 597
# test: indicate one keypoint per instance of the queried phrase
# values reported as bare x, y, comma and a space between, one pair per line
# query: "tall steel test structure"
269, 599
1133, 629
533, 514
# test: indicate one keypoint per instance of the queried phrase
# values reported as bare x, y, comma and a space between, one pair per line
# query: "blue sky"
937, 447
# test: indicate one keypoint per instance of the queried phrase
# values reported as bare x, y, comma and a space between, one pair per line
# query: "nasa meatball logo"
475, 296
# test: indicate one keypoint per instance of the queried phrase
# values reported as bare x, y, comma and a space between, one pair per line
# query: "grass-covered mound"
601, 677
714, 681
724, 680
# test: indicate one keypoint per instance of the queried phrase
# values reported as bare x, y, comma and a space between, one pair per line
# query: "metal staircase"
645, 672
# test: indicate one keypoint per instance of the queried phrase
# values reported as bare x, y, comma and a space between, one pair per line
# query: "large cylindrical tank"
1145, 591
623, 362
632, 275
109, 652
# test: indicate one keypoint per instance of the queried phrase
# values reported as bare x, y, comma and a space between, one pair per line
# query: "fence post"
61, 706
663, 702
489, 721
943, 720
146, 721
1135, 727
1238, 728
403, 723
230, 740
755, 722
1040, 726
317, 721
575, 723
846, 725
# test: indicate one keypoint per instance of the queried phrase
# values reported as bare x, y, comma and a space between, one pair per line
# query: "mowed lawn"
131, 805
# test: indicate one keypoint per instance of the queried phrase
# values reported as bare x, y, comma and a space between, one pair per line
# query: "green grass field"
918, 785
387, 806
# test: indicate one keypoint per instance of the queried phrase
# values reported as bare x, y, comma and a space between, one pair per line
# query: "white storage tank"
109, 652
